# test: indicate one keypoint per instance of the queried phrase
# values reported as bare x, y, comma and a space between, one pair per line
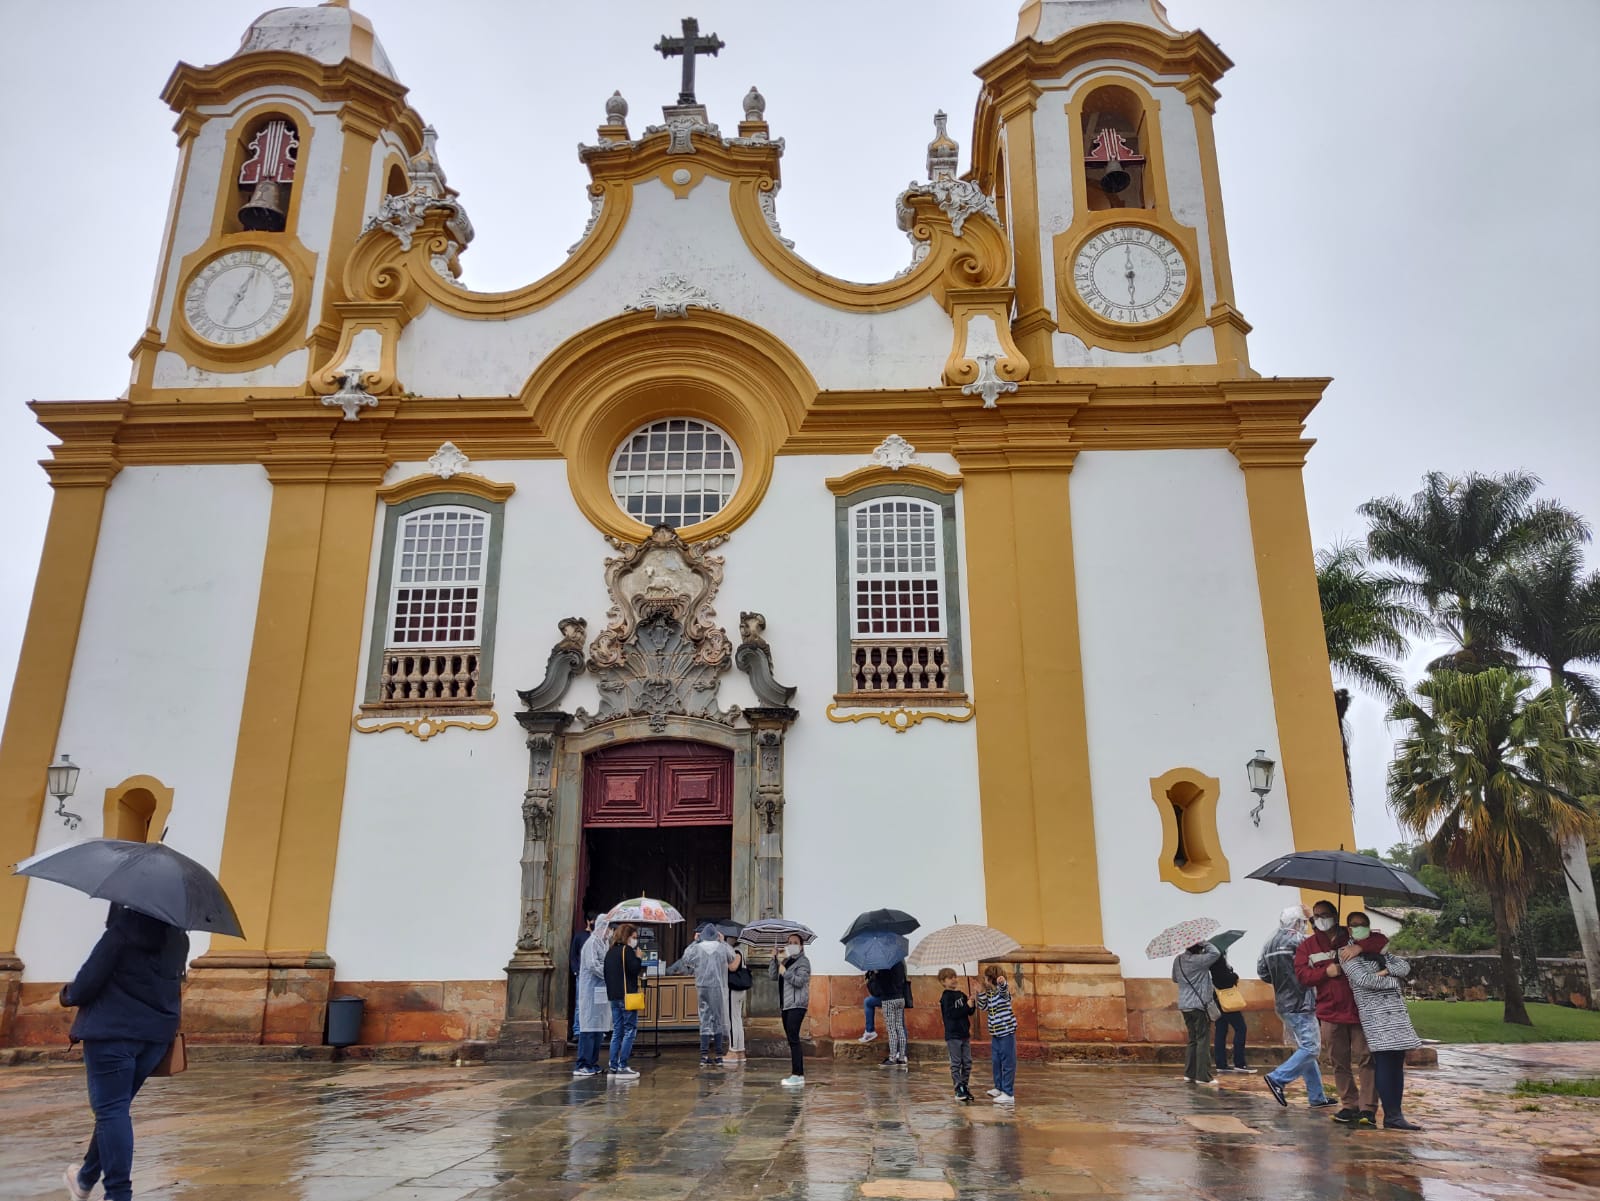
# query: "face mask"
633, 942
791, 952
1360, 933
1323, 923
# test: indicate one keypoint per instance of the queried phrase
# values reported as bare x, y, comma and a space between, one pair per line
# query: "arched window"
1115, 154
437, 597
1191, 848
433, 631
268, 154
676, 472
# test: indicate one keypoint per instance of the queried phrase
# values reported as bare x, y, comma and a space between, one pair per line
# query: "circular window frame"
650, 427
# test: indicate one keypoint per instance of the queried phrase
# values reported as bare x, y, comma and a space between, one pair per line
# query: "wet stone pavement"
242, 1131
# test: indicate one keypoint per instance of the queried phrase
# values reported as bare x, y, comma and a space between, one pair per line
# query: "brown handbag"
175, 1060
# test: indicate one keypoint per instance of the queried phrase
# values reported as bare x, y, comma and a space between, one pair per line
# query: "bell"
1115, 180
265, 209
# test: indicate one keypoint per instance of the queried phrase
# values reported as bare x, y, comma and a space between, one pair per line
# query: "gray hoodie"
1192, 974
796, 987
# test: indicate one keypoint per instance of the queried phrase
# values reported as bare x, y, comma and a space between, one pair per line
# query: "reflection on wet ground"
238, 1132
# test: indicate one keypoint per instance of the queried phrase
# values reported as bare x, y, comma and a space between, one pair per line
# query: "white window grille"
436, 598
897, 569
676, 472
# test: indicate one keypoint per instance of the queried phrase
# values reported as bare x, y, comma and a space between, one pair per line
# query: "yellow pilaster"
1272, 452
1228, 326
1035, 320
81, 470
287, 794
1027, 679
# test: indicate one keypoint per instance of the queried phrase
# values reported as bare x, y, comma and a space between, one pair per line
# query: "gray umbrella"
146, 876
1345, 871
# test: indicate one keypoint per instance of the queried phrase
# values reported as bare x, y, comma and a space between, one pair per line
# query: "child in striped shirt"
995, 1001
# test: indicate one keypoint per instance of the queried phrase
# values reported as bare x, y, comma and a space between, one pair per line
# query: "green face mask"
1360, 933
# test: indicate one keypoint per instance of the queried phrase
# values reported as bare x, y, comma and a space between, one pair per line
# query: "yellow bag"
633, 1001
1230, 1000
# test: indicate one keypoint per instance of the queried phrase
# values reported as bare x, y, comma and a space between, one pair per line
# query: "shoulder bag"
175, 1060
1230, 999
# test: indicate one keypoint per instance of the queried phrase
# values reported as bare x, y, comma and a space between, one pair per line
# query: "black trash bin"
344, 1021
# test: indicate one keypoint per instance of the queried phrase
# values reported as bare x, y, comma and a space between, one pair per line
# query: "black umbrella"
896, 921
1344, 871
730, 928
147, 876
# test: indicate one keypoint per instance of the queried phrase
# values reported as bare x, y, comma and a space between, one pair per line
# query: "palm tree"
1550, 611
1366, 622
1453, 540
1473, 776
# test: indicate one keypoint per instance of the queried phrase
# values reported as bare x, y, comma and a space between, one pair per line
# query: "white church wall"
1175, 675
158, 679
894, 815
696, 237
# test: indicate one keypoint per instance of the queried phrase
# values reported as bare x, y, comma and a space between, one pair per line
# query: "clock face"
238, 297
1130, 274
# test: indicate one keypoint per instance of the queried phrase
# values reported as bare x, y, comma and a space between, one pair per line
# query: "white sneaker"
580, 1071
1004, 1099
869, 1036
69, 1177
793, 1082
994, 1092
624, 1074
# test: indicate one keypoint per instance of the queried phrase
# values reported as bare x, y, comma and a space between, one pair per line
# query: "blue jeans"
1234, 1022
116, 1069
624, 1026
1303, 1063
870, 1008
589, 1049
1003, 1062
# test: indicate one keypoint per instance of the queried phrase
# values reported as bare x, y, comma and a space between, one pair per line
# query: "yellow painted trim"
160, 798
287, 796
1017, 118
961, 367
1230, 328
1271, 451
49, 642
912, 473
596, 388
1207, 866
1040, 866
380, 269
425, 485
899, 719
423, 728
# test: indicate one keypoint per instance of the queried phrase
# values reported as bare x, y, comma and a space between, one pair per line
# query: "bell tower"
1095, 128
286, 149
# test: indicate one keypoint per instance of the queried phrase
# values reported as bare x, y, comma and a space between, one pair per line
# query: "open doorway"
690, 868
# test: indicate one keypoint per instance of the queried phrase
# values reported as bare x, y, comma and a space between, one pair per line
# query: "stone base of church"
10, 994
1064, 1011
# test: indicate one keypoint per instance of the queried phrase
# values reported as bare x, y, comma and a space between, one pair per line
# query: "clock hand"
238, 296
1129, 273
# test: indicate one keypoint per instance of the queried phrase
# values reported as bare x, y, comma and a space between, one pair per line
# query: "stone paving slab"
529, 1132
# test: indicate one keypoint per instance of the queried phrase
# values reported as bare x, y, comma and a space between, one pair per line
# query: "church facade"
431, 618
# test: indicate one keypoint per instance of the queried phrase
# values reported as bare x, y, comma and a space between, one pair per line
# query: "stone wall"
1477, 978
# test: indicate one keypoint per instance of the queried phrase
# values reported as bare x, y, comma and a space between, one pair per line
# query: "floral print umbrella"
1185, 934
644, 909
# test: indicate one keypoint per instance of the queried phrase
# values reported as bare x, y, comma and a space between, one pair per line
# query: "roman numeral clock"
239, 297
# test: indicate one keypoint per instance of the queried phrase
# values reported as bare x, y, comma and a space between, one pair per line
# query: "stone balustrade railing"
413, 677
899, 666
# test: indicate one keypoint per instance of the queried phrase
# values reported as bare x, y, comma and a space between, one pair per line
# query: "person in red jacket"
1316, 965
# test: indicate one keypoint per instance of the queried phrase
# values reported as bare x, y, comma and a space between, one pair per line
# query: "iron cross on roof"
689, 45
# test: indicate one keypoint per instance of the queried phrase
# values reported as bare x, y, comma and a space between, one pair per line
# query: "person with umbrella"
792, 970
1191, 972
1375, 983
1297, 1007
708, 960
1316, 965
127, 994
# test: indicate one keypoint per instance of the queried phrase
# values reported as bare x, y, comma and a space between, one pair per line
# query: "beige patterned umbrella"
962, 944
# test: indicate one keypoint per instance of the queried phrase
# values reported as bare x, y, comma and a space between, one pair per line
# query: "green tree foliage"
1472, 777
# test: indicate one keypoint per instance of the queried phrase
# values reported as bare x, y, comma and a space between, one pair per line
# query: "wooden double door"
658, 821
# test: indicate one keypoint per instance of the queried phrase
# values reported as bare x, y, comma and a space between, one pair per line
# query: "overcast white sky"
1410, 187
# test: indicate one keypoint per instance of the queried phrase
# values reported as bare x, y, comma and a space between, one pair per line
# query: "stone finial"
755, 105
616, 110
943, 152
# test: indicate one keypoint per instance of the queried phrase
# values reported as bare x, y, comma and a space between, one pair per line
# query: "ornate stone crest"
894, 452
661, 653
671, 296
352, 395
448, 461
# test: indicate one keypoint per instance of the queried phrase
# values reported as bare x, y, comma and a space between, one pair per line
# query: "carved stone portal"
658, 662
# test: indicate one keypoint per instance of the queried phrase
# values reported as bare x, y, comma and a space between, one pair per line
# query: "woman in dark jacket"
127, 995
894, 989
622, 977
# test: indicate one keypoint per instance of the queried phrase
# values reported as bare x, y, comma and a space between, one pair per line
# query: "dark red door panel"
696, 793
621, 793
